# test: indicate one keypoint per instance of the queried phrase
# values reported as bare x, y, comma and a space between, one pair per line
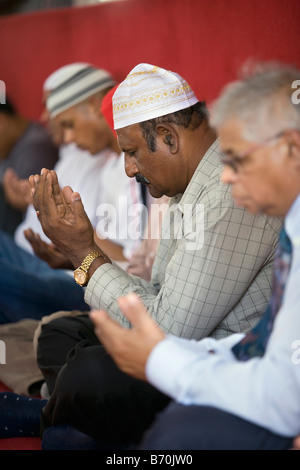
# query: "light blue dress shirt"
264, 391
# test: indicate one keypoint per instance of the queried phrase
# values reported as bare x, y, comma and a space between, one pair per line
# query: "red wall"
203, 40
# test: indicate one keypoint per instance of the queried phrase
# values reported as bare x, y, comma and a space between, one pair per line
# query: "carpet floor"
19, 443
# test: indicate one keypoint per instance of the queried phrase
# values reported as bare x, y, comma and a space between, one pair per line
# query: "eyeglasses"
236, 163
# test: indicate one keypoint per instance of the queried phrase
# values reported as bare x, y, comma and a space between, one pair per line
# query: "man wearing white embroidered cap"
211, 288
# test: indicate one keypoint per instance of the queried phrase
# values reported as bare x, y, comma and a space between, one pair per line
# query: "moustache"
141, 179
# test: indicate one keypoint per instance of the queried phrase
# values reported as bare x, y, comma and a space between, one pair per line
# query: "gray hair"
265, 101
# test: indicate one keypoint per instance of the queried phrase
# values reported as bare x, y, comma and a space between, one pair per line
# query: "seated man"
211, 275
25, 147
75, 167
241, 392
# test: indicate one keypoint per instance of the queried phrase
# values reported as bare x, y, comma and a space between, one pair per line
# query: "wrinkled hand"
47, 251
129, 348
16, 190
62, 216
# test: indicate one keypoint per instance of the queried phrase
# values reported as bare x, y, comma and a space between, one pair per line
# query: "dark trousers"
29, 288
88, 391
206, 428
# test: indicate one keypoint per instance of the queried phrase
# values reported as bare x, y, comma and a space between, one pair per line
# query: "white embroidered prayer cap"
148, 92
75, 84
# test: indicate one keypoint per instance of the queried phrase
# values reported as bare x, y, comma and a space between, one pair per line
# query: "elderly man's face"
163, 171
85, 126
264, 176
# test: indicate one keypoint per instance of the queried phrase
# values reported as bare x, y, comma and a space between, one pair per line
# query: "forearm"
208, 373
191, 374
113, 250
109, 283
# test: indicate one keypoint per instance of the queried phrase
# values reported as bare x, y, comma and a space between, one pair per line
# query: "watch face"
80, 276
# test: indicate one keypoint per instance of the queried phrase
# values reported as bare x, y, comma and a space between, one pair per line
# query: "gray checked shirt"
213, 268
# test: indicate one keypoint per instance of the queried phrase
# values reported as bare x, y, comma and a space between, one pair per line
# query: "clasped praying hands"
62, 216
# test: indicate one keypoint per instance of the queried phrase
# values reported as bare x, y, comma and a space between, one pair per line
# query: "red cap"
107, 109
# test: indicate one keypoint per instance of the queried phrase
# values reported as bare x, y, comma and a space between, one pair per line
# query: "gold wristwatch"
81, 274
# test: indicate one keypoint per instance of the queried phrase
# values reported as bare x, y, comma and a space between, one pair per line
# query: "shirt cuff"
169, 358
105, 285
172, 357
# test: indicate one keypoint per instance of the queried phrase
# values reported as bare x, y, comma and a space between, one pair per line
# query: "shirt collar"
203, 172
292, 222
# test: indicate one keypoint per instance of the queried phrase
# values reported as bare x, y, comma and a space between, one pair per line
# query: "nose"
130, 167
69, 136
228, 175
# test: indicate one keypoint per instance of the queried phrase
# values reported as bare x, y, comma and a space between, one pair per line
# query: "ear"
169, 136
293, 140
94, 103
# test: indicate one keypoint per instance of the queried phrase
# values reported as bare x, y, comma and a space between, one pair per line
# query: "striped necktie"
255, 342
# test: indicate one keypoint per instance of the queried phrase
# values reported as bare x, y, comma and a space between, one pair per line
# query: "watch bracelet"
89, 259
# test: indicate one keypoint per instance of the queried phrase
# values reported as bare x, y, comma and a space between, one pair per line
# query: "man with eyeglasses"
238, 162
241, 392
